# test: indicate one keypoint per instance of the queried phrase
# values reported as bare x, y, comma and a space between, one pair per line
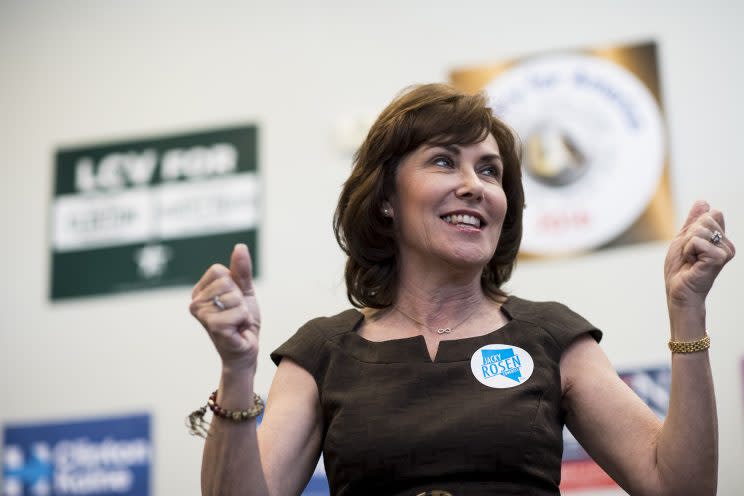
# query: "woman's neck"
437, 301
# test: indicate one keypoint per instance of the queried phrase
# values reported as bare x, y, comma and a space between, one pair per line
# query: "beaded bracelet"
198, 426
701, 344
236, 415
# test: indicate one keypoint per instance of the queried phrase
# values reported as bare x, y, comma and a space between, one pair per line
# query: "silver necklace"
441, 330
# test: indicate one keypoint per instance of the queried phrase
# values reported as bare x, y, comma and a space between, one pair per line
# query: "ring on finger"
716, 237
217, 302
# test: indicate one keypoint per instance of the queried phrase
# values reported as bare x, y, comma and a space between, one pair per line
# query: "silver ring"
716, 237
218, 303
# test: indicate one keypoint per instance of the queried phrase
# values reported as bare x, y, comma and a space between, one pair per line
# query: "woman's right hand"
234, 330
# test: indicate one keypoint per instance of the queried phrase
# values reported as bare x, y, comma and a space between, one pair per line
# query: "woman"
440, 381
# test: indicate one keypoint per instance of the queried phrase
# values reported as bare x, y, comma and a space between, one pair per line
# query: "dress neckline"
413, 349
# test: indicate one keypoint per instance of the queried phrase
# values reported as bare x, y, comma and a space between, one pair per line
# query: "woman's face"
449, 205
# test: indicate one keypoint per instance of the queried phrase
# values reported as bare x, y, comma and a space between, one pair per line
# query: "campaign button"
501, 366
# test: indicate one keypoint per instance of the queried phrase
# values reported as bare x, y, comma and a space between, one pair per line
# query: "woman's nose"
471, 186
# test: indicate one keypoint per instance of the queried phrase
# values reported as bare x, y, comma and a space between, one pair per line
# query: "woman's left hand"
694, 259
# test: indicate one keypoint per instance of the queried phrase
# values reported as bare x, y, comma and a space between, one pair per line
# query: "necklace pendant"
444, 330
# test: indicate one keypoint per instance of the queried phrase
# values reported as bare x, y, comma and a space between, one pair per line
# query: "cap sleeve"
563, 324
309, 347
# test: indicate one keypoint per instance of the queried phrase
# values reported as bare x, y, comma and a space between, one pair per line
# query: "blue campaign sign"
318, 486
85, 457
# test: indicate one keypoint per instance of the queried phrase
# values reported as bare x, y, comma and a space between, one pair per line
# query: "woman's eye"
443, 162
491, 170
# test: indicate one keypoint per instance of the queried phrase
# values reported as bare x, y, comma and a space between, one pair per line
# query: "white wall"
73, 72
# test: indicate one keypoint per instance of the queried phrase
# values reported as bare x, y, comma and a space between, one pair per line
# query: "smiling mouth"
462, 220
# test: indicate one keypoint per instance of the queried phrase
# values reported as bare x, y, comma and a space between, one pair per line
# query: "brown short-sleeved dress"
484, 418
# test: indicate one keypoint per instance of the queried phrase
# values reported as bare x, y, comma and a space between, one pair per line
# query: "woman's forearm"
687, 449
231, 462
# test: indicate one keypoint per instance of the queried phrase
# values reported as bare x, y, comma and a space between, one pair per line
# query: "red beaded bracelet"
236, 415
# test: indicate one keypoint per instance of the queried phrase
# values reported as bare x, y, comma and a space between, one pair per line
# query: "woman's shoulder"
308, 345
315, 332
557, 319
329, 326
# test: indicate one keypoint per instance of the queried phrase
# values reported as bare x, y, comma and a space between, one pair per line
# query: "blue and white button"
501, 366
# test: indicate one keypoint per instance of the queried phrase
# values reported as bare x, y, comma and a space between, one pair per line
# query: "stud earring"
386, 212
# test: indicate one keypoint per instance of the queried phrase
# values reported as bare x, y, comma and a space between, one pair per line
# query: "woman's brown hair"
425, 114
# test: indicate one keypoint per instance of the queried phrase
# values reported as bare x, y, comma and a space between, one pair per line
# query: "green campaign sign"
152, 213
